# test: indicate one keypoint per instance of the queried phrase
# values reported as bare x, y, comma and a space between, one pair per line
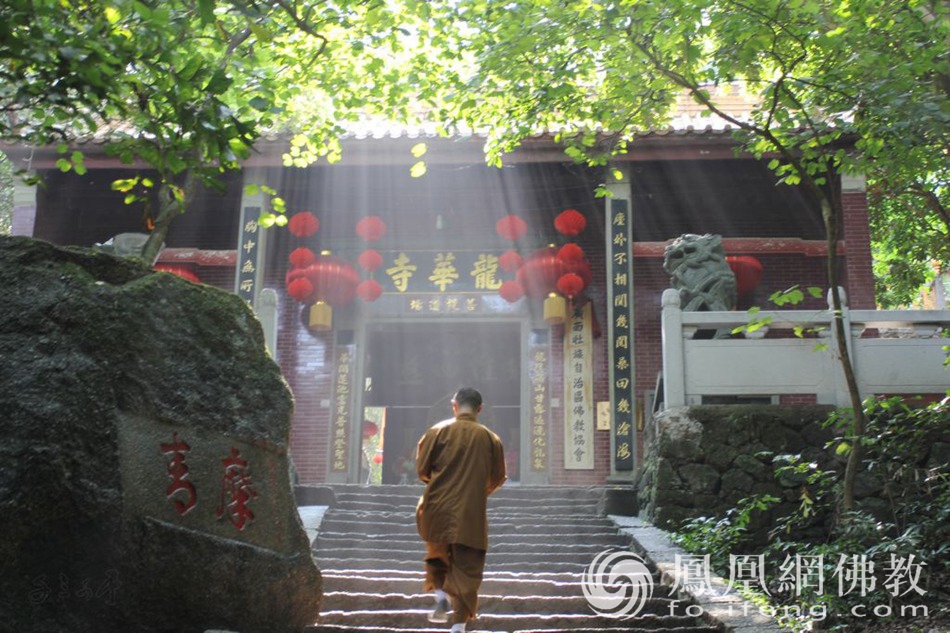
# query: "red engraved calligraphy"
178, 473
236, 491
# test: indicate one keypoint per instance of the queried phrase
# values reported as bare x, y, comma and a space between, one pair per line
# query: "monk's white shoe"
440, 615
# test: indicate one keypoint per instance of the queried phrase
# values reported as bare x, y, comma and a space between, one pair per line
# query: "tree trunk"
169, 207
831, 212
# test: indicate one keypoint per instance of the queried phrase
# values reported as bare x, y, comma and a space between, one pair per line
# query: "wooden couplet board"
620, 321
578, 391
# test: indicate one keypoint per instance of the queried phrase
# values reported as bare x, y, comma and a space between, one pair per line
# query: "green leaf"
418, 170
63, 164
280, 220
266, 220
419, 149
843, 449
124, 184
617, 174
815, 292
206, 11
260, 104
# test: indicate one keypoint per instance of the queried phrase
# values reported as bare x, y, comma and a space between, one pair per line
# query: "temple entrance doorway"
412, 370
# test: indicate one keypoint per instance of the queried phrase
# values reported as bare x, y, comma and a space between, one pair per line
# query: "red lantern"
370, 260
570, 222
540, 272
334, 280
570, 284
302, 257
179, 270
369, 429
371, 229
369, 290
570, 253
300, 289
511, 227
511, 291
378, 457
748, 272
510, 261
303, 224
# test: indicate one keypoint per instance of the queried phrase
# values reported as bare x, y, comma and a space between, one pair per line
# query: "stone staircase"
541, 541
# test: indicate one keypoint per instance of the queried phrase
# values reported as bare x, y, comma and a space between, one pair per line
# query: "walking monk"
461, 462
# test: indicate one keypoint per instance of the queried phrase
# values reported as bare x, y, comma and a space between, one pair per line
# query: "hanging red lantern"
511, 291
511, 227
570, 284
748, 272
371, 229
510, 261
334, 280
570, 253
300, 289
540, 272
570, 222
369, 429
302, 257
303, 224
370, 260
369, 290
179, 270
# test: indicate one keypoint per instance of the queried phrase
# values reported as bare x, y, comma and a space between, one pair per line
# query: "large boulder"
144, 480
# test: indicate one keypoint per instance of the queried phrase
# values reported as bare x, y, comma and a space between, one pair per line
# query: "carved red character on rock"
178, 472
236, 491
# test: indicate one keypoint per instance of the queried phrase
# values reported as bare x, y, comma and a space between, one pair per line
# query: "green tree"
846, 85
187, 87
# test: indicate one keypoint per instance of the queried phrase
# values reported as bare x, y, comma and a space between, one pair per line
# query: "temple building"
387, 290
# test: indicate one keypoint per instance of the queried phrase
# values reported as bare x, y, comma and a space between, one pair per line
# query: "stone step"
327, 562
412, 619
347, 491
336, 520
542, 539
547, 513
579, 555
475, 628
487, 603
499, 542
411, 581
510, 506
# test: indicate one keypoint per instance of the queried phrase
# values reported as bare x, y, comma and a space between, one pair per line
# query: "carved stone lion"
698, 269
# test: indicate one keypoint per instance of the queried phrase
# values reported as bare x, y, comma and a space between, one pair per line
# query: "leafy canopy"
183, 86
839, 85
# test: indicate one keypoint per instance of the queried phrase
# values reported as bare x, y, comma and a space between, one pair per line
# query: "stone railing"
893, 352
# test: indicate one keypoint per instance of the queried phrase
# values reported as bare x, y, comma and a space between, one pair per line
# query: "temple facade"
387, 292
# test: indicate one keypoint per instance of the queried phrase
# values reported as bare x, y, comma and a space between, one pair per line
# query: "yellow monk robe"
462, 463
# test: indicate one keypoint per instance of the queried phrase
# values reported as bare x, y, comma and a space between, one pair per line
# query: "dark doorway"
413, 369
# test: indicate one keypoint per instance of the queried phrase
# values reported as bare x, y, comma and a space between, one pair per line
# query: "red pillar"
856, 235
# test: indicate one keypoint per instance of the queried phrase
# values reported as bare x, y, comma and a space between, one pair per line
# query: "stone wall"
701, 461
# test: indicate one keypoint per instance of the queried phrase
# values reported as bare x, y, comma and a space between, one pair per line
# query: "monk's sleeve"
498, 471
424, 457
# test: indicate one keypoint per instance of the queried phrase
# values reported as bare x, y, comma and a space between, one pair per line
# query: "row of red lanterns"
551, 273
325, 281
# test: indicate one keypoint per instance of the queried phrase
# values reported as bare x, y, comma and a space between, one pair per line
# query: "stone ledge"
727, 609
